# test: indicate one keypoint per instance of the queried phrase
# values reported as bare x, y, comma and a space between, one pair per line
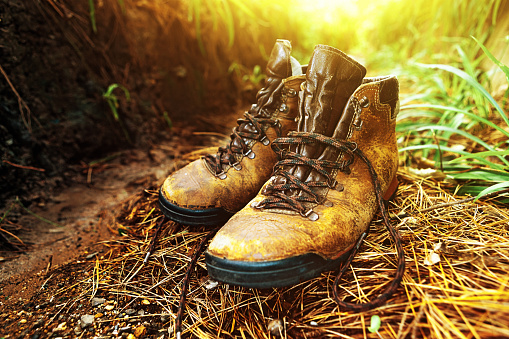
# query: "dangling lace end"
393, 232
179, 335
185, 282
154, 239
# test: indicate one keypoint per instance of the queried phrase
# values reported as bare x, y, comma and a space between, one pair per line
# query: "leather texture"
229, 183
367, 118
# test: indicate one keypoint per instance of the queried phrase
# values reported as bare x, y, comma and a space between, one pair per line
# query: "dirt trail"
82, 213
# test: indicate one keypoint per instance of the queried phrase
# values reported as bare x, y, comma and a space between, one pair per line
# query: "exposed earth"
67, 163
57, 251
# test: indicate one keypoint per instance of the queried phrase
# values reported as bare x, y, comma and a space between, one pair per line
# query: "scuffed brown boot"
333, 172
210, 190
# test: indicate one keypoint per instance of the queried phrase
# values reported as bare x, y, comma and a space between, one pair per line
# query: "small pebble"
130, 311
145, 302
98, 301
86, 320
210, 284
109, 307
61, 327
140, 331
90, 256
275, 327
124, 329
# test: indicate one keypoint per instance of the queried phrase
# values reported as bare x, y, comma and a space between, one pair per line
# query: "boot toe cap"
187, 187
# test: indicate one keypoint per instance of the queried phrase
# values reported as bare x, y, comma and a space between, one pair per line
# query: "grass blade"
492, 189
457, 110
474, 83
497, 62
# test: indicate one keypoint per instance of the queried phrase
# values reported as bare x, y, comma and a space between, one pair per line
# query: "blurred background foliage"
199, 62
449, 56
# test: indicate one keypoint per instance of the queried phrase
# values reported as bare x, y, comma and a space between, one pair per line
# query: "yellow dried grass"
464, 295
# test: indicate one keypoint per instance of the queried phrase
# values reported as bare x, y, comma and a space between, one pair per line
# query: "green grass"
453, 107
112, 100
437, 48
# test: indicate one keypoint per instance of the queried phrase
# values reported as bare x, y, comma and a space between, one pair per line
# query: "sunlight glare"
326, 10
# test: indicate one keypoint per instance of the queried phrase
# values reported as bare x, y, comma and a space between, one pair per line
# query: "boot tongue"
279, 64
278, 68
331, 78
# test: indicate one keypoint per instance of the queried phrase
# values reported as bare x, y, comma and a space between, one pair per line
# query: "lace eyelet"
276, 123
355, 146
257, 204
284, 108
291, 92
237, 166
265, 141
221, 175
358, 124
250, 154
331, 183
364, 102
310, 214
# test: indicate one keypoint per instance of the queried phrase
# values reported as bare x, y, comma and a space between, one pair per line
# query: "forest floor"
66, 233
74, 237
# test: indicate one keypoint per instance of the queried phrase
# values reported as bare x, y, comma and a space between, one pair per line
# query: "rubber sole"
193, 217
270, 274
280, 273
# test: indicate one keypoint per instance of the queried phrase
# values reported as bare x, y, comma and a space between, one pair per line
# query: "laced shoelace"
276, 193
277, 197
258, 116
185, 282
228, 155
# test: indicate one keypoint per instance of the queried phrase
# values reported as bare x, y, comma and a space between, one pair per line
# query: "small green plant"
168, 120
91, 9
255, 77
375, 324
112, 100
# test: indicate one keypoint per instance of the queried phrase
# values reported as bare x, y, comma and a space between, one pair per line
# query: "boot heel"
391, 191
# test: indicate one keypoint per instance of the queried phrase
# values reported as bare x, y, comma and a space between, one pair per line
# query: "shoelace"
185, 282
277, 198
276, 193
229, 155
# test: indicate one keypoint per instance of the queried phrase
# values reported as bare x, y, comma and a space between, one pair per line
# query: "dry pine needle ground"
456, 283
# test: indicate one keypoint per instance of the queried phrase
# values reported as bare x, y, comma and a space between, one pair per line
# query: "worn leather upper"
344, 213
198, 185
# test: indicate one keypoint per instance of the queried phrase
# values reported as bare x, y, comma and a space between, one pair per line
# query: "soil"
67, 163
57, 255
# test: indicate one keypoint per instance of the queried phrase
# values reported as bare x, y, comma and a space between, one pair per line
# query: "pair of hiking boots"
302, 177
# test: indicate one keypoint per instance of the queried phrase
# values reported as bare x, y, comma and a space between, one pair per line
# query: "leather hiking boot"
324, 192
210, 190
